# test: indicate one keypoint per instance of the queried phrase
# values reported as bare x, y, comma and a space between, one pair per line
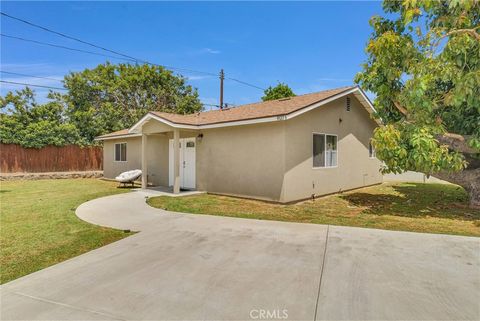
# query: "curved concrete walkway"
123, 211
183, 266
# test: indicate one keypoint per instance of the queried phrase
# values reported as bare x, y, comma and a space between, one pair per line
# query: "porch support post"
176, 161
144, 161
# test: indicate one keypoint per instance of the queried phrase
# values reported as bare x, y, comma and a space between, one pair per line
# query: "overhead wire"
31, 85
55, 88
30, 76
125, 56
62, 47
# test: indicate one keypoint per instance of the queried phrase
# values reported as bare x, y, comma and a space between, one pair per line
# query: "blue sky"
311, 46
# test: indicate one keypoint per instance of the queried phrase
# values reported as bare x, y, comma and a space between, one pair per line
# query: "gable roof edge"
367, 104
355, 90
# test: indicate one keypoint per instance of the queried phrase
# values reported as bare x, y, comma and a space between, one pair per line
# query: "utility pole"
222, 77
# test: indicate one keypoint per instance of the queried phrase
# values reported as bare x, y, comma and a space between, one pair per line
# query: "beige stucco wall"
355, 167
111, 168
245, 161
270, 161
157, 158
242, 160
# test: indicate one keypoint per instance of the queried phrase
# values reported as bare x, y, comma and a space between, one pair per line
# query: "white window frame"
374, 152
325, 144
115, 151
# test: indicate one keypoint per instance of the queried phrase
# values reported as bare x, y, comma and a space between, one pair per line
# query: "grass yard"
430, 208
39, 227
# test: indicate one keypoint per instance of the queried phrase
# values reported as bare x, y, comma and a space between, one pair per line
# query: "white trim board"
118, 136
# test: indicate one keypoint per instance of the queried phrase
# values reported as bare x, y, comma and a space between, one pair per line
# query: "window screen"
331, 152
121, 152
324, 150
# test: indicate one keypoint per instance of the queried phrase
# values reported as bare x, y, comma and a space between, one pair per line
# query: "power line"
128, 57
98, 54
31, 76
57, 88
119, 58
245, 83
62, 47
119, 53
65, 36
31, 85
225, 105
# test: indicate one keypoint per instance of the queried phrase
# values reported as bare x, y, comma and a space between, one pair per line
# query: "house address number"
283, 117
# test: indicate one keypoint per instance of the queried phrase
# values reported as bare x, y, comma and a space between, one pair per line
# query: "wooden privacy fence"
17, 159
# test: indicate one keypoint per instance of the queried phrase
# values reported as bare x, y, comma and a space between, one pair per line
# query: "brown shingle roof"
252, 111
245, 112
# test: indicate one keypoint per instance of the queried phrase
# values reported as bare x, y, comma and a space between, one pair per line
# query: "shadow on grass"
417, 200
129, 187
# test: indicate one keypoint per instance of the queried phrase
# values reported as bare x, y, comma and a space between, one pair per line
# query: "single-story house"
282, 150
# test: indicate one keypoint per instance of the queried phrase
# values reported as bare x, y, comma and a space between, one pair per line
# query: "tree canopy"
113, 97
424, 67
23, 121
279, 91
97, 101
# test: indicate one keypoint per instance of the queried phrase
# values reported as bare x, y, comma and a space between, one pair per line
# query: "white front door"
187, 163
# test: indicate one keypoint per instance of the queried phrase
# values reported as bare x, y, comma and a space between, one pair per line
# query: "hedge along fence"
17, 159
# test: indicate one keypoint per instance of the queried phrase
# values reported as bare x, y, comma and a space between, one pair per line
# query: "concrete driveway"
194, 267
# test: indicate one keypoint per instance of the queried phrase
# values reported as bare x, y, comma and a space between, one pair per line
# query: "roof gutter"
100, 138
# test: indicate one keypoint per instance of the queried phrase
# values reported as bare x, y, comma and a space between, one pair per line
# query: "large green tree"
279, 91
424, 67
25, 122
112, 97
100, 100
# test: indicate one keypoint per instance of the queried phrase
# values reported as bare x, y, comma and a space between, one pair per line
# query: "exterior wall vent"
348, 103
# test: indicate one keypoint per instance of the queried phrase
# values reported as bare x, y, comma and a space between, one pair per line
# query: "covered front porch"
168, 157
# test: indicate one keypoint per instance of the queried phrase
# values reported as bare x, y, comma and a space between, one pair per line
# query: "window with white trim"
121, 152
324, 150
371, 150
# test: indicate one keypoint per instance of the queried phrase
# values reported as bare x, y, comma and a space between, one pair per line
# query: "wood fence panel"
17, 159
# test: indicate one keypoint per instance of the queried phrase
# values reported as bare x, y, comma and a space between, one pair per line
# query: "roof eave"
356, 90
130, 135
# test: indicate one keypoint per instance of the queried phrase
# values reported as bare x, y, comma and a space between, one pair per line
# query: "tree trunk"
469, 179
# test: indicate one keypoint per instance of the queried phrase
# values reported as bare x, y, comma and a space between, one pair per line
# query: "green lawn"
431, 208
39, 227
